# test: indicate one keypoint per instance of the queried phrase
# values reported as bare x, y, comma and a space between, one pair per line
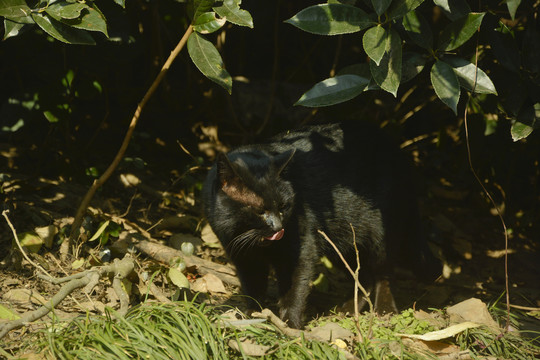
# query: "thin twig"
527, 308
356, 310
471, 167
129, 205
357, 282
37, 266
64, 249
336, 56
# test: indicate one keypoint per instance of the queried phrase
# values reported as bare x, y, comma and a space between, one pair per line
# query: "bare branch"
165, 254
87, 279
45, 309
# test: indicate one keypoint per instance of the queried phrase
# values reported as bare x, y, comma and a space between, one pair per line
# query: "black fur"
325, 178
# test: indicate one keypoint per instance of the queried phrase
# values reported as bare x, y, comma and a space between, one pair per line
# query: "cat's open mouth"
276, 236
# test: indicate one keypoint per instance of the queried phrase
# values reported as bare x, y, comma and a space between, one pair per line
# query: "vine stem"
65, 247
499, 214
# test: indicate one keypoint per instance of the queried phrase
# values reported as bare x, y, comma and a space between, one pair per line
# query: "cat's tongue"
276, 236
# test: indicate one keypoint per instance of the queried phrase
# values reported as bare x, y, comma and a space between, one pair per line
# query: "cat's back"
352, 153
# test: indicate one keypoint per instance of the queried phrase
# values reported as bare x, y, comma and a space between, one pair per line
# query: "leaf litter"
333, 335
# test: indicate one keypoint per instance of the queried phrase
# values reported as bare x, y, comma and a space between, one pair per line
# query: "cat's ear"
232, 184
225, 170
282, 160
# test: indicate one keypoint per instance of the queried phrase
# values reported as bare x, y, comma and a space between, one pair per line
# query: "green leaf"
230, 10
453, 9
207, 59
196, 8
459, 31
401, 7
100, 231
520, 131
333, 91
412, 64
91, 19
375, 43
380, 6
31, 241
466, 73
65, 10
528, 120
122, 3
12, 28
13, 9
388, 73
418, 29
346, 2
76, 264
208, 23
67, 80
50, 116
331, 19
92, 171
62, 32
512, 7
178, 279
22, 20
446, 84
114, 229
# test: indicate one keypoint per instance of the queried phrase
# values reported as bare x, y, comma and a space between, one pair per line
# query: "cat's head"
254, 194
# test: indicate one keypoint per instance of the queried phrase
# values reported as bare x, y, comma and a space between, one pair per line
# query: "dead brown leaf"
474, 310
208, 283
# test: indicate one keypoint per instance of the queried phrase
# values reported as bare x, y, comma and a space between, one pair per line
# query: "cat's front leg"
253, 275
294, 279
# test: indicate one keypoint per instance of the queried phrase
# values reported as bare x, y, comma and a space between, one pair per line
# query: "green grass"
176, 331
186, 330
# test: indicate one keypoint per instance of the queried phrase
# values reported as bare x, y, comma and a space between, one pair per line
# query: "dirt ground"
463, 232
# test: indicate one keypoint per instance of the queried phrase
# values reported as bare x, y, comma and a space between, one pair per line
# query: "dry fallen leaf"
207, 235
208, 283
444, 333
437, 349
24, 297
249, 348
331, 332
47, 233
473, 310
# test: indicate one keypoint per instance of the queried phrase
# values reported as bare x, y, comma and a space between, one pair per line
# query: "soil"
464, 232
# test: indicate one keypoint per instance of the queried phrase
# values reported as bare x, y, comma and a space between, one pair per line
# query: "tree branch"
65, 247
121, 269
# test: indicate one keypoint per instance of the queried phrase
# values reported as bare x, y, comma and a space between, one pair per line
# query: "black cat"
267, 202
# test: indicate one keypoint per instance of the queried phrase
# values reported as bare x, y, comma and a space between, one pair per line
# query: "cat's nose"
273, 221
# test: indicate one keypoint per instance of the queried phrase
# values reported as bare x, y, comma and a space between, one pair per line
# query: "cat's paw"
292, 317
384, 299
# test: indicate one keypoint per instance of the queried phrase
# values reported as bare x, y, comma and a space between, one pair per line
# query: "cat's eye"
259, 211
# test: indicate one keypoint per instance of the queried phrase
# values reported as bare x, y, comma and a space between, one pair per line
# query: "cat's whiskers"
243, 242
